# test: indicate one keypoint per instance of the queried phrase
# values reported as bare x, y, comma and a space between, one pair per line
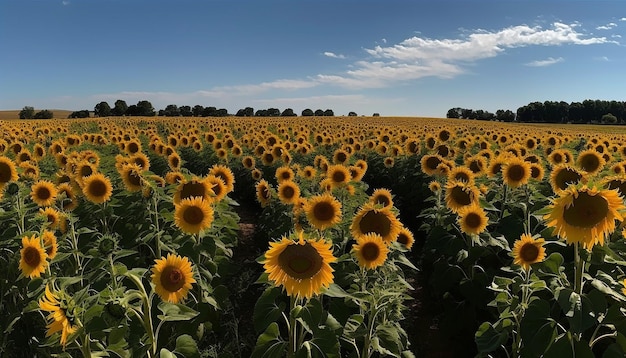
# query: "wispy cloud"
608, 26
602, 58
334, 55
547, 62
622, 19
65, 2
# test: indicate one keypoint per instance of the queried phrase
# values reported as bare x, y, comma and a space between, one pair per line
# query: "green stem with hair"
579, 266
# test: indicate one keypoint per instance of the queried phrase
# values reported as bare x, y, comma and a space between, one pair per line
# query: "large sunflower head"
218, 187
196, 187
338, 175
131, 176
50, 243
590, 161
248, 162
528, 250
52, 217
472, 219
32, 257
172, 277
462, 173
288, 192
563, 175
430, 164
406, 238
193, 215
516, 172
323, 211
382, 197
284, 173
8, 172
43, 193
585, 214
97, 188
302, 267
459, 194
617, 182
224, 172
62, 312
370, 251
371, 219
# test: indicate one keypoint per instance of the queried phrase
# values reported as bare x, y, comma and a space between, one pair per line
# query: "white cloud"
602, 58
622, 19
333, 55
608, 26
547, 62
65, 2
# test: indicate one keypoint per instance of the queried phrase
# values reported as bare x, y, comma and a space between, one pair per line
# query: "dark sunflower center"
341, 157
288, 192
590, 162
86, 171
516, 172
496, 168
300, 261
324, 211
43, 193
133, 147
460, 176
97, 188
529, 252
174, 161
534, 172
172, 279
339, 176
565, 177
403, 239
370, 251
134, 179
32, 256
460, 196
476, 166
557, 158
5, 172
382, 199
413, 147
192, 189
51, 218
432, 163
473, 220
376, 222
193, 215
586, 210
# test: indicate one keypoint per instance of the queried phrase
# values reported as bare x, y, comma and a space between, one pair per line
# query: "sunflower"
405, 237
302, 267
8, 172
430, 164
174, 161
52, 217
172, 277
288, 192
263, 192
218, 187
527, 251
225, 174
66, 196
617, 182
370, 251
248, 162
459, 194
97, 188
340, 156
562, 176
308, 172
472, 219
256, 174
58, 319
585, 214
516, 172
174, 177
536, 171
43, 193
284, 173
434, 186
462, 173
382, 197
50, 243
338, 174
141, 160
371, 219
32, 257
590, 161
323, 211
195, 187
131, 177
193, 215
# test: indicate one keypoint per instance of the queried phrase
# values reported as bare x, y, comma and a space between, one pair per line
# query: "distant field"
15, 114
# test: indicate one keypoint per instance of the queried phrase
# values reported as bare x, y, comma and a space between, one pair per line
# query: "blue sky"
395, 57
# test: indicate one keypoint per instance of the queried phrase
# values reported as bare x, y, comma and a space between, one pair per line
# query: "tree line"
146, 109
585, 112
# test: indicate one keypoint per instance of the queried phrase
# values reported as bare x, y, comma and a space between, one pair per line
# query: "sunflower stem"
157, 237
503, 207
291, 351
579, 268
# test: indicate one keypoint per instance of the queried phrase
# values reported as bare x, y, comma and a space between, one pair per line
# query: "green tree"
45, 114
609, 119
120, 108
197, 110
102, 109
307, 113
145, 109
454, 113
27, 112
185, 111
288, 112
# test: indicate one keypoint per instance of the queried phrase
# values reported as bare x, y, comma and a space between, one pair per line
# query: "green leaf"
488, 339
613, 351
269, 344
175, 312
164, 353
553, 263
537, 329
266, 310
187, 346
335, 290
561, 348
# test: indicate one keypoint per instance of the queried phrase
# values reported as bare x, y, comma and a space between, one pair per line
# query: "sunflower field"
342, 237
